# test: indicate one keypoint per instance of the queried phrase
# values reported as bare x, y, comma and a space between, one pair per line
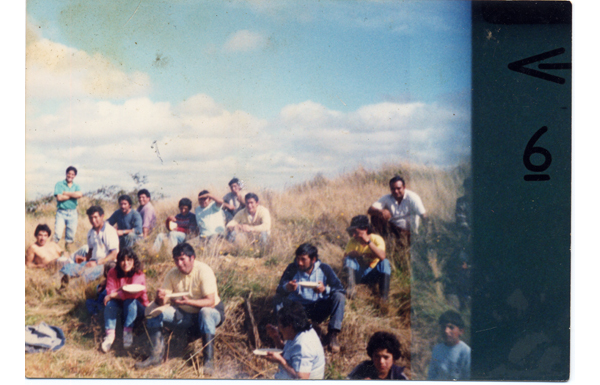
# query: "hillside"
317, 211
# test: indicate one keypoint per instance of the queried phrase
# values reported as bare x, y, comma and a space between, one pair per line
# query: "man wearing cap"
128, 222
364, 257
67, 193
201, 308
233, 201
397, 213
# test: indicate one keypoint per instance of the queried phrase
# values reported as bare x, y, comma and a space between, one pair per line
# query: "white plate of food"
133, 288
308, 284
171, 225
263, 352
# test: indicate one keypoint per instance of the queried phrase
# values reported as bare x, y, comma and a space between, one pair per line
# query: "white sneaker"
127, 339
107, 343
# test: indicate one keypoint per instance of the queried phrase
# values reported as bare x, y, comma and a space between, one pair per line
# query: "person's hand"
91, 264
273, 332
245, 228
172, 218
108, 297
291, 285
161, 296
275, 357
363, 236
236, 188
386, 214
320, 288
79, 259
181, 301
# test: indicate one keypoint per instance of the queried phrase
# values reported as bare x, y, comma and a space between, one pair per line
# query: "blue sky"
272, 92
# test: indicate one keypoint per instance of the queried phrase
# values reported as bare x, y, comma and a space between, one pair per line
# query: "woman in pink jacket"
127, 271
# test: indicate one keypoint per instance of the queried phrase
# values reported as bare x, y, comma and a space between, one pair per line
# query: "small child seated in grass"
451, 359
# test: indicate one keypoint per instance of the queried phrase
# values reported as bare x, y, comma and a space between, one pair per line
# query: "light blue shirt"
304, 354
211, 220
306, 295
450, 362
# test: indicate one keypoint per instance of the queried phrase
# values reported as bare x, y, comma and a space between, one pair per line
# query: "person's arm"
278, 359
379, 253
62, 197
332, 280
29, 257
286, 278
145, 231
136, 224
112, 256
273, 332
206, 301
72, 194
218, 201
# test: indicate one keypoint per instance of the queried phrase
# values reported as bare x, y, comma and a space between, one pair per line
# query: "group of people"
309, 291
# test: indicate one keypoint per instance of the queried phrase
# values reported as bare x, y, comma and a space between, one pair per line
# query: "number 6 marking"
529, 151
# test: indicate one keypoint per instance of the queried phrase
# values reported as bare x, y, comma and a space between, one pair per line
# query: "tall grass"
316, 211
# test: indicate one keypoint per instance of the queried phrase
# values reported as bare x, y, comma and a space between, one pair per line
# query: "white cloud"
202, 143
244, 41
57, 71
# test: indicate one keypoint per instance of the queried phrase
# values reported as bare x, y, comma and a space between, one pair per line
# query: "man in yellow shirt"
201, 308
364, 257
253, 221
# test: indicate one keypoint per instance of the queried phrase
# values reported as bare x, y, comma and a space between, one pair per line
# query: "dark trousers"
331, 307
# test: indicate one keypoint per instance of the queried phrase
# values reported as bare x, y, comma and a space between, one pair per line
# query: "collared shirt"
305, 355
62, 186
450, 362
102, 242
260, 221
129, 221
210, 220
200, 282
404, 214
148, 216
354, 245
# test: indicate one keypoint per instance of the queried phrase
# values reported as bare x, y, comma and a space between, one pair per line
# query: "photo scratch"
155, 147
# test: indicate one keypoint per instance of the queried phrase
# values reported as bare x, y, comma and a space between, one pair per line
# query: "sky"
191, 94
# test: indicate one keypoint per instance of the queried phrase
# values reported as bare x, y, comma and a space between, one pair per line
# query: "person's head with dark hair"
361, 223
397, 187
234, 180
384, 350
452, 327
144, 192
185, 205
96, 216
42, 227
251, 203
184, 257
306, 256
292, 319
128, 263
71, 174
107, 266
204, 198
71, 168
125, 203
42, 234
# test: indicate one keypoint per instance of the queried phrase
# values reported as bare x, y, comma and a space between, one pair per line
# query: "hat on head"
358, 222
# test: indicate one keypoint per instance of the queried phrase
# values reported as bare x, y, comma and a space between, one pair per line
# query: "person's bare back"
44, 252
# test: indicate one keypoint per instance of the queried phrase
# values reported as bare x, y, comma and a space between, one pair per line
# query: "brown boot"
334, 346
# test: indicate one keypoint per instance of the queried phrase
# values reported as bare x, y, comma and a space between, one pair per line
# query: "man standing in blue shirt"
66, 192
128, 223
314, 285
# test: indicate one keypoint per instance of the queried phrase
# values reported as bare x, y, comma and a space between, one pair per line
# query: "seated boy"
186, 225
451, 359
384, 350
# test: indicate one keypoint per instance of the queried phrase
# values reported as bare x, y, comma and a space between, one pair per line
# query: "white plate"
308, 284
172, 226
263, 352
134, 288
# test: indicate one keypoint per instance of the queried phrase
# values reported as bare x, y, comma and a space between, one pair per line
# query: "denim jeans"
366, 274
175, 238
208, 319
68, 219
332, 306
128, 240
131, 308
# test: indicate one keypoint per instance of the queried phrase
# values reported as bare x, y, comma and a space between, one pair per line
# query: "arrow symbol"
519, 66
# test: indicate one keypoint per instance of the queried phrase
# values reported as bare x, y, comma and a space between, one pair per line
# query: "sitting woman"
384, 350
303, 356
364, 258
132, 303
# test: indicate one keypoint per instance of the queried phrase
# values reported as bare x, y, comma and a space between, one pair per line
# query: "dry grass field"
317, 211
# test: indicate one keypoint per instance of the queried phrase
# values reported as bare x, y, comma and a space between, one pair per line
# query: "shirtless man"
44, 252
